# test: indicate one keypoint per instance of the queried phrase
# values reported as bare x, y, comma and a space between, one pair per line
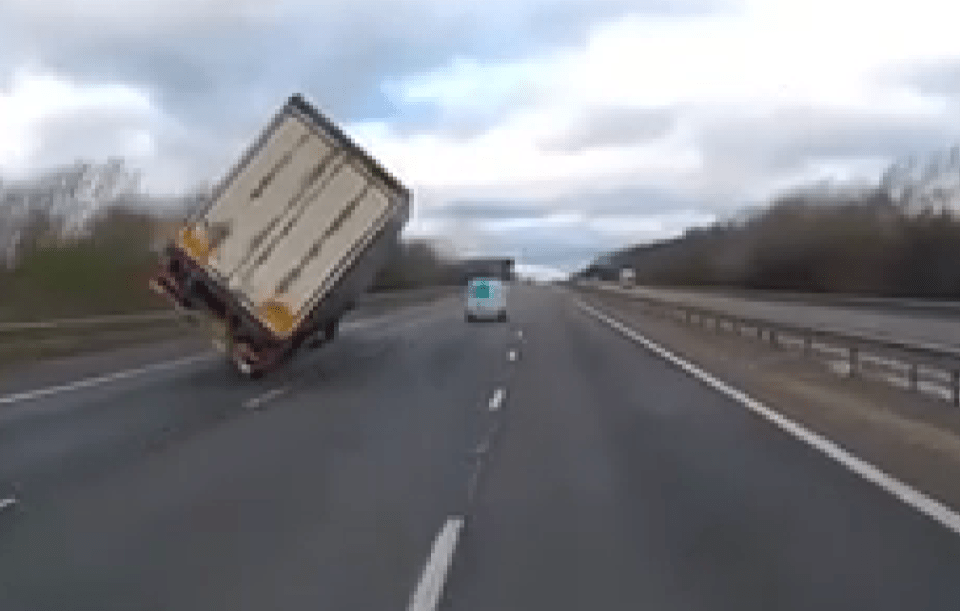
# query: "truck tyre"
242, 367
502, 316
331, 329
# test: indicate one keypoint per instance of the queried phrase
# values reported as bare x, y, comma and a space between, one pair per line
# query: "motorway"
549, 463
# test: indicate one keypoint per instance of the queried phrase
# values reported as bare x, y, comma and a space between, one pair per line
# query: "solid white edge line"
9, 502
923, 503
260, 400
496, 399
427, 595
99, 380
130, 373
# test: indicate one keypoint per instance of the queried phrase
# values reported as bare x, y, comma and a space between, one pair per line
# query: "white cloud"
48, 120
747, 64
508, 160
719, 106
35, 99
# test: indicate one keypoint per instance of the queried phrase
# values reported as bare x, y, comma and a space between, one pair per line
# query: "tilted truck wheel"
241, 365
327, 334
331, 330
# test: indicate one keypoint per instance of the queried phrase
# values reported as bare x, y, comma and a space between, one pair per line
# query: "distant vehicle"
288, 241
627, 276
486, 300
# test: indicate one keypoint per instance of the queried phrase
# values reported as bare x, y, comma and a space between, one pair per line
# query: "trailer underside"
249, 346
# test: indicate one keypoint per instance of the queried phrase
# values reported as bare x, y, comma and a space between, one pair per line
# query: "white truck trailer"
289, 239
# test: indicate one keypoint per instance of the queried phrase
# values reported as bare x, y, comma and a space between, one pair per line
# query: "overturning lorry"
287, 242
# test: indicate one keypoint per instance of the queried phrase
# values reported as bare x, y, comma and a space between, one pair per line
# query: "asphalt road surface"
548, 463
921, 327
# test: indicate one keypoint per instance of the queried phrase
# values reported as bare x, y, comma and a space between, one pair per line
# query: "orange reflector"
195, 243
277, 316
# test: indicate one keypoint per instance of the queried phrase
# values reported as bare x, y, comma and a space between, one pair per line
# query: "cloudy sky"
548, 130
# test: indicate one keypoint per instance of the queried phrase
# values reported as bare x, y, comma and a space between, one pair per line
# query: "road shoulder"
912, 437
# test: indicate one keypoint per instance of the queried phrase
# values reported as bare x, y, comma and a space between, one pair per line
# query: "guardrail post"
913, 377
807, 346
854, 355
772, 337
955, 386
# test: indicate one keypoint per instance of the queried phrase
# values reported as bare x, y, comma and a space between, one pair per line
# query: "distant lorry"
627, 277
287, 242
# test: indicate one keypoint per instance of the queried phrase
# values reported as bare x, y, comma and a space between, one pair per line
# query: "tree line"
106, 268
884, 240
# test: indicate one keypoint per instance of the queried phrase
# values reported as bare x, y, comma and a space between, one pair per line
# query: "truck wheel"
331, 330
502, 316
244, 368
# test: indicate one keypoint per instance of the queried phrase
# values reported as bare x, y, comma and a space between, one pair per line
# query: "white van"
486, 299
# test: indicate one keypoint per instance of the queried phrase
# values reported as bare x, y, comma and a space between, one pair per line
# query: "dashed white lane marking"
256, 402
427, 595
99, 380
912, 497
512, 355
519, 333
7, 503
497, 399
482, 448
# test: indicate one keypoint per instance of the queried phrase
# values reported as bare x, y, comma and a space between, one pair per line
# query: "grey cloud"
567, 246
217, 79
936, 79
558, 248
100, 134
485, 211
791, 138
623, 202
177, 157
340, 53
611, 127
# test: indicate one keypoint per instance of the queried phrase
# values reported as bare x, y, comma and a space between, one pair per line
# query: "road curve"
545, 463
